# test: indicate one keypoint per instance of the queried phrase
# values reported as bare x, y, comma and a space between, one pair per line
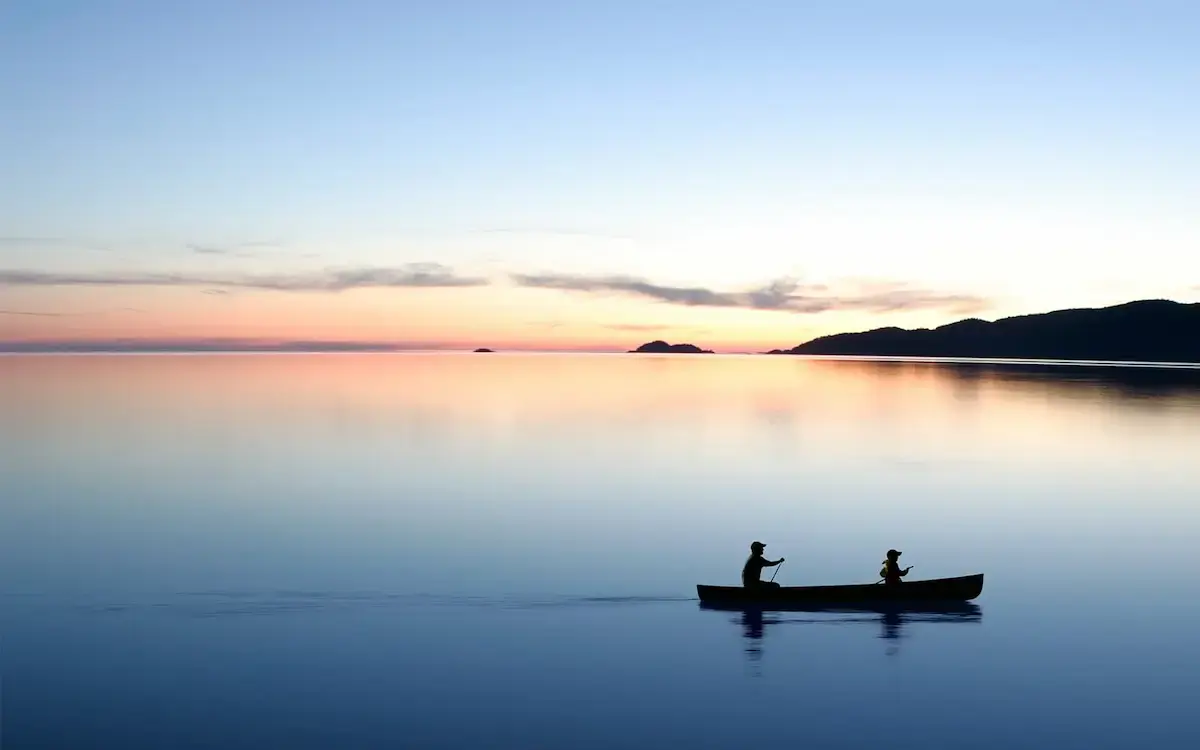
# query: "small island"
662, 347
481, 350
1141, 331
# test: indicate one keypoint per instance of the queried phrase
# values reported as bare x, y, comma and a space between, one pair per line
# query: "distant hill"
1147, 331
662, 347
483, 351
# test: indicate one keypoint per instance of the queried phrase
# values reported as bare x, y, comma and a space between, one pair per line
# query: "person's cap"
757, 545
894, 552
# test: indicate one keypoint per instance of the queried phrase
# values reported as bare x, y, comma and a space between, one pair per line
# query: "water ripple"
284, 602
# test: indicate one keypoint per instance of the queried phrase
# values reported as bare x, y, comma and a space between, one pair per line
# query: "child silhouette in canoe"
891, 572
752, 570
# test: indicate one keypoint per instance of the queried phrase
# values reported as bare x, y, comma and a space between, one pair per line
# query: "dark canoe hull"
942, 609
909, 595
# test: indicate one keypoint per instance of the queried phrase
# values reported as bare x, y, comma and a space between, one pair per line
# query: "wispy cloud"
208, 249
784, 294
40, 314
428, 275
27, 313
249, 249
215, 345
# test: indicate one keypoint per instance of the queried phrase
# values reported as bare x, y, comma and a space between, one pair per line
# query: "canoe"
942, 610
960, 589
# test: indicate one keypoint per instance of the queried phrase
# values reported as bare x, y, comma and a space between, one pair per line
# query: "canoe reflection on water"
892, 618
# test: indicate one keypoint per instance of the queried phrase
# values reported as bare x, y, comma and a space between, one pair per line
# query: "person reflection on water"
752, 570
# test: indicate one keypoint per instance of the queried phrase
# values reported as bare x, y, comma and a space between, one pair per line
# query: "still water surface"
501, 551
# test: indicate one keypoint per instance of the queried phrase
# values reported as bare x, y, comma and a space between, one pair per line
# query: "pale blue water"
501, 551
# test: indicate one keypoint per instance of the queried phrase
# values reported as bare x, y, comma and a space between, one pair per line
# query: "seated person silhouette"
891, 572
753, 568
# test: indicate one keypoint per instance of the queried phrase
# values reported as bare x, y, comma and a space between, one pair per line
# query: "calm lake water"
501, 551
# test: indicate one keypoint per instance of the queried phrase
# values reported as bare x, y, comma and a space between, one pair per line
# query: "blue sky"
1030, 155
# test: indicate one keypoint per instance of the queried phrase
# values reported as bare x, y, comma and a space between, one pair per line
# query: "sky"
571, 175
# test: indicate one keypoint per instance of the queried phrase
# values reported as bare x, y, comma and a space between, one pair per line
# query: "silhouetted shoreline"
1153, 332
1142, 331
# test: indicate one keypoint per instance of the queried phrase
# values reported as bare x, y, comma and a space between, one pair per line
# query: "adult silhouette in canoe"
752, 570
891, 573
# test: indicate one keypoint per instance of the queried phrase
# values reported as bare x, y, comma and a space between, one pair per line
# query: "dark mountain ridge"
1143, 331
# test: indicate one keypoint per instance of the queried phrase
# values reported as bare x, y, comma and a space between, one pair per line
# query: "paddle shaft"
777, 567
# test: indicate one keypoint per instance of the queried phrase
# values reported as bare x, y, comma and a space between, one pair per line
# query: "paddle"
777, 567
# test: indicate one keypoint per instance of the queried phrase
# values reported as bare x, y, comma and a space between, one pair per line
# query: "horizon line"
1147, 364
83, 347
